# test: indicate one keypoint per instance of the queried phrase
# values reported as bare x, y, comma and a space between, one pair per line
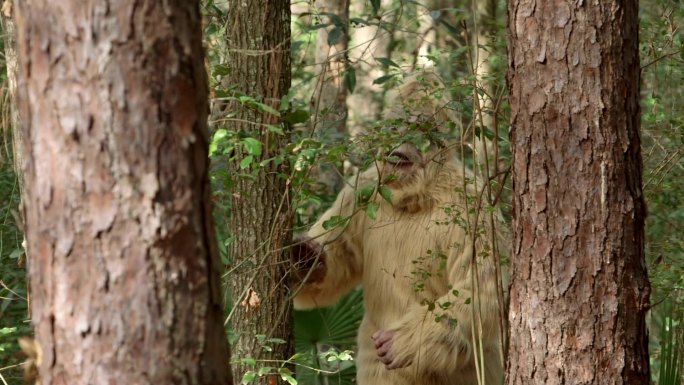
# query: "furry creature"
427, 319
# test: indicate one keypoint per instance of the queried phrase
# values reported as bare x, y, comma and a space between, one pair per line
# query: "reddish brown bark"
579, 289
123, 261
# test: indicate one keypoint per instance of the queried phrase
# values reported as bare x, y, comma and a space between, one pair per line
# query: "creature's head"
423, 123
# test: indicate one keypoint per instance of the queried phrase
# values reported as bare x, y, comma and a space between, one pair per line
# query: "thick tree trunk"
259, 40
123, 257
579, 290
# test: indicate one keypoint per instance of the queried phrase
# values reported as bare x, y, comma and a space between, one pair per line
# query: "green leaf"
248, 377
296, 116
211, 29
265, 370
350, 79
383, 79
334, 35
387, 62
221, 94
220, 70
386, 193
246, 161
266, 108
364, 194
16, 253
372, 210
252, 145
334, 221
218, 137
286, 375
285, 101
7, 330
248, 361
275, 129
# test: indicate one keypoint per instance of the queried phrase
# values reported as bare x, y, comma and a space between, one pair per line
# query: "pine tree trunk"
259, 38
125, 285
579, 288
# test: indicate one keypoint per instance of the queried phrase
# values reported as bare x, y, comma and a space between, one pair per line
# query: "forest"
341, 192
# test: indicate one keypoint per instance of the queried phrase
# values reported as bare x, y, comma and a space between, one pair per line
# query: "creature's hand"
383, 341
306, 256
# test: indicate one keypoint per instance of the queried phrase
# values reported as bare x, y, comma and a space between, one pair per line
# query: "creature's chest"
405, 256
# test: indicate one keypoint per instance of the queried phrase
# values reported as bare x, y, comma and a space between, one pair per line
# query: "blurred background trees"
345, 58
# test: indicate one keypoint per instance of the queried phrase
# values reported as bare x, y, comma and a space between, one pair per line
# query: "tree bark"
124, 263
579, 289
259, 42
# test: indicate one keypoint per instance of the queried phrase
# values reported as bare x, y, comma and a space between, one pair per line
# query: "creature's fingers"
387, 360
380, 337
383, 349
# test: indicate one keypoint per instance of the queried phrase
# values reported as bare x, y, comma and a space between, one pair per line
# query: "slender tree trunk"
368, 42
330, 97
484, 19
579, 290
10, 40
259, 41
123, 257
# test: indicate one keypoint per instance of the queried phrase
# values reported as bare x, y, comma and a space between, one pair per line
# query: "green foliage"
662, 61
670, 358
324, 337
13, 303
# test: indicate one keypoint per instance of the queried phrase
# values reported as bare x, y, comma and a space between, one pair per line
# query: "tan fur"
411, 255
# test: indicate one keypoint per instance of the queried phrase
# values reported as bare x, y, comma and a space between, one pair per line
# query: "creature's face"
421, 123
408, 167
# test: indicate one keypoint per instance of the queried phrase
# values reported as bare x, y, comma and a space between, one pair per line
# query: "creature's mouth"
399, 159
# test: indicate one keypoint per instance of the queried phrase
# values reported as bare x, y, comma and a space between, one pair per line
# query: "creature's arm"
329, 260
439, 337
